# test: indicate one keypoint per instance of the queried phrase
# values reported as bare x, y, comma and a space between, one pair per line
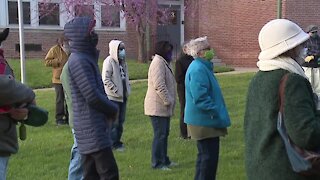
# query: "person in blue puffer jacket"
92, 110
206, 114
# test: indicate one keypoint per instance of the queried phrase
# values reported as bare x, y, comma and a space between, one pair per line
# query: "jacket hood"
77, 31
113, 49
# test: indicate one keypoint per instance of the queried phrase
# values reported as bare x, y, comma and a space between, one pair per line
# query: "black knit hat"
4, 34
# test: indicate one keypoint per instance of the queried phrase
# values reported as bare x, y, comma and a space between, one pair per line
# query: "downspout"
279, 9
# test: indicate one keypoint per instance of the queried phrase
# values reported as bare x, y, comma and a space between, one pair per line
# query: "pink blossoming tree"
142, 14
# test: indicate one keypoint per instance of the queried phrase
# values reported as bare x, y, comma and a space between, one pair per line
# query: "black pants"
100, 165
61, 110
207, 161
182, 101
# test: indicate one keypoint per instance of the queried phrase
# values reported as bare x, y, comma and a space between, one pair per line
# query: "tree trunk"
142, 48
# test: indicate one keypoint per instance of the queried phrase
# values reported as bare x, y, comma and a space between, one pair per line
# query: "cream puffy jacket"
160, 99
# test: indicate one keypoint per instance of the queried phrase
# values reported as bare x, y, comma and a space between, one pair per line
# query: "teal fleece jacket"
205, 105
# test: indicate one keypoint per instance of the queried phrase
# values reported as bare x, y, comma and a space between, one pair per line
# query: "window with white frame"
13, 12
53, 14
49, 13
84, 10
110, 16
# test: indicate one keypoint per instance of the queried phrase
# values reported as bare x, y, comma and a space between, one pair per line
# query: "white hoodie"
111, 75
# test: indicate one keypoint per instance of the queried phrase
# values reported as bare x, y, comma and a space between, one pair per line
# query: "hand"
309, 58
19, 113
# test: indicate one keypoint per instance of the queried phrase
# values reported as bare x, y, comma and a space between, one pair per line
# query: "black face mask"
94, 39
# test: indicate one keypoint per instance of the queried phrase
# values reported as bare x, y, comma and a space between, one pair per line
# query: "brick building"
231, 26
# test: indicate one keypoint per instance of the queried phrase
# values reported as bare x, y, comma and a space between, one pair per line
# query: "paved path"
237, 70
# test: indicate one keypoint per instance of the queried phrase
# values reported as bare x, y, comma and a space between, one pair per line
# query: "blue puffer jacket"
204, 101
91, 106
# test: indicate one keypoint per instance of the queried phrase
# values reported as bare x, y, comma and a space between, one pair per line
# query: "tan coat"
160, 99
56, 58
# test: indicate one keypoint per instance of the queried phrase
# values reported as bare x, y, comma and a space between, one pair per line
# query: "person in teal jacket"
206, 114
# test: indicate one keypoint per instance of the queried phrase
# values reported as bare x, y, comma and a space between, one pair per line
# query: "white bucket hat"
279, 36
196, 45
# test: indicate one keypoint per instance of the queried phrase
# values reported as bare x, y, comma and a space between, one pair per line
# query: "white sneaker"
120, 149
173, 164
165, 168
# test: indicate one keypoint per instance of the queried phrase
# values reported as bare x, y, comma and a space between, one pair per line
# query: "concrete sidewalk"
239, 70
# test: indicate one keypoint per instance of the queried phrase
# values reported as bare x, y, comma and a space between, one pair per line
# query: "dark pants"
61, 110
117, 126
207, 162
161, 127
100, 165
182, 101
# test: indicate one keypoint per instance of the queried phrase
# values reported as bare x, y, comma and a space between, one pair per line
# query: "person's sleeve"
13, 92
84, 76
107, 72
157, 76
300, 116
199, 89
51, 59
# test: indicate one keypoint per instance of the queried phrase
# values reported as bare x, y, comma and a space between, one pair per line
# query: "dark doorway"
171, 31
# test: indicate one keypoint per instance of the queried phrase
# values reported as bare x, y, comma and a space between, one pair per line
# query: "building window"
84, 10
13, 12
110, 16
49, 14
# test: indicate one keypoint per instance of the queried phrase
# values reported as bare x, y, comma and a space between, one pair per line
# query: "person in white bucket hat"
282, 51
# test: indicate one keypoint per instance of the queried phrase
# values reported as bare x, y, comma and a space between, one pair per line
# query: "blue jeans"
75, 166
117, 126
161, 127
207, 162
3, 167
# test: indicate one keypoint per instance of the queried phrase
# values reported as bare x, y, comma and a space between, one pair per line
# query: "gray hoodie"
111, 75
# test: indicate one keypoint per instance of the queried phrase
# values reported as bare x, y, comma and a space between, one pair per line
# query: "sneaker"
119, 148
61, 122
164, 168
173, 164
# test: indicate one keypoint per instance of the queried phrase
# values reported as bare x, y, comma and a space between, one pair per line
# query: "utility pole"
279, 9
21, 38
147, 31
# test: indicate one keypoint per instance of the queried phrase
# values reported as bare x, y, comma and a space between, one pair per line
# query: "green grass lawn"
39, 76
46, 152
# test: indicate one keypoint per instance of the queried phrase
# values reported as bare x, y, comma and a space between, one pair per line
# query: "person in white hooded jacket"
116, 84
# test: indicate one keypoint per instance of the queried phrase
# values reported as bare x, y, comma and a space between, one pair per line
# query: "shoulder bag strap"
281, 91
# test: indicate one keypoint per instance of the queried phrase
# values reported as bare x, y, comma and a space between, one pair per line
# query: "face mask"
302, 54
209, 54
122, 54
94, 39
66, 48
169, 56
313, 35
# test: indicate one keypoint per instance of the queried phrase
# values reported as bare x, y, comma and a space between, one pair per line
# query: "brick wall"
232, 27
303, 13
47, 38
